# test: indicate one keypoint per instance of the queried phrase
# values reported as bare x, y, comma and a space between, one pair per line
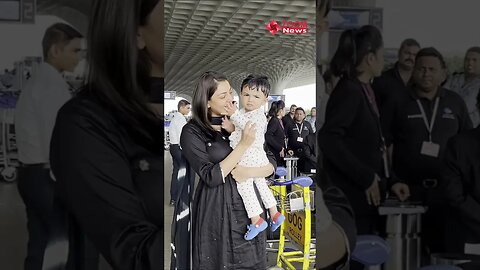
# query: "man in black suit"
460, 182
289, 119
395, 81
417, 130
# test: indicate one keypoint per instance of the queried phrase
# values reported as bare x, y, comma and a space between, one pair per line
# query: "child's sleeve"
239, 119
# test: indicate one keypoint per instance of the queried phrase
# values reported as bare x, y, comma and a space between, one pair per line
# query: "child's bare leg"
273, 211
255, 219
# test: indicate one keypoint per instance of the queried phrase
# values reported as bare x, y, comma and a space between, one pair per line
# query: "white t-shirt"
255, 155
36, 111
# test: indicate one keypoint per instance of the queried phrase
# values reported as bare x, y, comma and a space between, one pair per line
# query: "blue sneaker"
255, 229
276, 224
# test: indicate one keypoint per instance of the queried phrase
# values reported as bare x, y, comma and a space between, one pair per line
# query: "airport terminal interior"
277, 39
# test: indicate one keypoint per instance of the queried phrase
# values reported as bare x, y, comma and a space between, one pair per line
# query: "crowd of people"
406, 133
90, 163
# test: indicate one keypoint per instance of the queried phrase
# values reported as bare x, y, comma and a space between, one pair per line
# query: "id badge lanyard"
424, 116
299, 130
370, 99
285, 143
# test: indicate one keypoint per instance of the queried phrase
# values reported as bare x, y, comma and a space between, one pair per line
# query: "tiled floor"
13, 230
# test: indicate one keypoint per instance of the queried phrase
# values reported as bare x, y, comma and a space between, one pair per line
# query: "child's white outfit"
254, 156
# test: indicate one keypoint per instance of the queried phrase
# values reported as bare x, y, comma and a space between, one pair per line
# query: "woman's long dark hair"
206, 87
276, 107
119, 73
353, 46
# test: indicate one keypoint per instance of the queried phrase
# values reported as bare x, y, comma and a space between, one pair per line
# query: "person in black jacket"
297, 132
219, 215
289, 119
350, 139
418, 148
395, 81
308, 154
107, 144
275, 135
334, 218
460, 184
460, 180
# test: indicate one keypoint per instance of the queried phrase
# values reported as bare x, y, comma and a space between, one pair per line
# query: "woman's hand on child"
248, 134
239, 174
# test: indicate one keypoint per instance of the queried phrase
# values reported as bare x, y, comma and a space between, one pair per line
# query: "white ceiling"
230, 36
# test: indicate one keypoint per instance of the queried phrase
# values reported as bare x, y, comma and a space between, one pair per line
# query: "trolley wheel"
9, 174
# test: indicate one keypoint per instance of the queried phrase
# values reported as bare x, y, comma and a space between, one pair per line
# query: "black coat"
404, 127
219, 216
335, 200
287, 121
308, 154
112, 184
350, 142
275, 138
389, 86
293, 134
460, 180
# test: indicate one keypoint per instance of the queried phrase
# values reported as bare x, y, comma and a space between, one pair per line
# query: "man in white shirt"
467, 83
175, 130
35, 115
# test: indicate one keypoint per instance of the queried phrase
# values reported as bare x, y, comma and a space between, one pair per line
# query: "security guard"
420, 127
297, 132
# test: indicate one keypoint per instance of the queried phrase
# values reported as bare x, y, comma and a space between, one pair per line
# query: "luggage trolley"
297, 207
8, 148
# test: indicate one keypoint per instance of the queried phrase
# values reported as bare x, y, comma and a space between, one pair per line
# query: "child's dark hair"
257, 82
